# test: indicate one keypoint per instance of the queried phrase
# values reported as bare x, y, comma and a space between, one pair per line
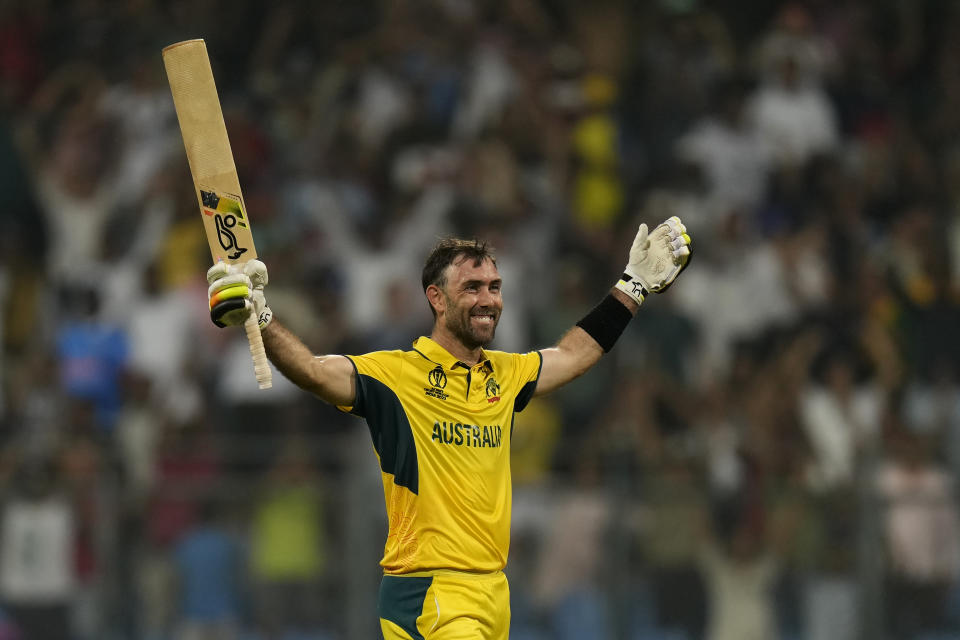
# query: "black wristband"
606, 322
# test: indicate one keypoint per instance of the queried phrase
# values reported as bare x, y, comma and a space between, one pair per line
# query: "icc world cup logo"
437, 377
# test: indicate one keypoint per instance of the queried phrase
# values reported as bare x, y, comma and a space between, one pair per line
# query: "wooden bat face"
214, 173
225, 222
195, 97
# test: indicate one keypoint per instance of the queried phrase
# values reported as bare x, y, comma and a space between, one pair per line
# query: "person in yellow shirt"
441, 418
287, 546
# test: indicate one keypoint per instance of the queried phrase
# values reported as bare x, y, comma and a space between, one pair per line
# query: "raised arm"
575, 353
331, 378
235, 292
656, 259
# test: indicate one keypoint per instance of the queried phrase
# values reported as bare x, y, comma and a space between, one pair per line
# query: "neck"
456, 348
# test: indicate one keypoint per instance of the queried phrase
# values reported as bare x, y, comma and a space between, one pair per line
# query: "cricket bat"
214, 173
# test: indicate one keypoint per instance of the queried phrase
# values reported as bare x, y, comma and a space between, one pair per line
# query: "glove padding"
236, 291
656, 259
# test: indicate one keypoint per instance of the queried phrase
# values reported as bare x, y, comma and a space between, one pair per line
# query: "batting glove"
236, 291
656, 259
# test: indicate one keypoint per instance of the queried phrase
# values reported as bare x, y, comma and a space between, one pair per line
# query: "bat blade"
214, 172
208, 151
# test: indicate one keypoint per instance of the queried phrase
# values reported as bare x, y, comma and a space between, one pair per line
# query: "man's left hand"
656, 259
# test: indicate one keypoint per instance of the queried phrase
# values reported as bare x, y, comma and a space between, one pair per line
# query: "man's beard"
470, 337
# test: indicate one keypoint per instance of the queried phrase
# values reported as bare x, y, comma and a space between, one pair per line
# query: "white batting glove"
656, 259
236, 291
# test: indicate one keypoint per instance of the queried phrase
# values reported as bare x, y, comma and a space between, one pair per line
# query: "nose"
487, 297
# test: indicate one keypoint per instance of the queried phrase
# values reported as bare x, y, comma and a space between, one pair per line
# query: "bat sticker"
226, 237
227, 212
227, 203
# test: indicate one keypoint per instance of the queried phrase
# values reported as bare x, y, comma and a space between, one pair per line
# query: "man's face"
473, 302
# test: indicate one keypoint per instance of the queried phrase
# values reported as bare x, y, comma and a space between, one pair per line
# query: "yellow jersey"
441, 431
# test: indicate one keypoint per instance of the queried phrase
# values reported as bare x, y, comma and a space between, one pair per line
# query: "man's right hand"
236, 291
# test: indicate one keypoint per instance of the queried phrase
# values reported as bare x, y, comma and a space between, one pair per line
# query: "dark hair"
446, 252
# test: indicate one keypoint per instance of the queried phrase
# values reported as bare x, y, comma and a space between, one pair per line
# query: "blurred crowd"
770, 452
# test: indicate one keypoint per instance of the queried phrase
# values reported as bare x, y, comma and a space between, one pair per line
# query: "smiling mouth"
486, 318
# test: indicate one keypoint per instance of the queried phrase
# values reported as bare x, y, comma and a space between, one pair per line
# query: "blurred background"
771, 451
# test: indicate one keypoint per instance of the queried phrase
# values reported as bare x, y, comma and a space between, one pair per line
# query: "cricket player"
441, 418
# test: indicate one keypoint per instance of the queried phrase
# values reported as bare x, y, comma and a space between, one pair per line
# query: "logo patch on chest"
438, 381
493, 390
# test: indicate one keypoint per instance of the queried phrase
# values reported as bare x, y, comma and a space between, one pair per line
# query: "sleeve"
372, 368
527, 367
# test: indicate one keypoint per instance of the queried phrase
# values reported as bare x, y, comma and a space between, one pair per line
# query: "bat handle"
261, 367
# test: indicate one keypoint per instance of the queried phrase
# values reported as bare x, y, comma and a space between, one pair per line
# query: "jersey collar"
433, 352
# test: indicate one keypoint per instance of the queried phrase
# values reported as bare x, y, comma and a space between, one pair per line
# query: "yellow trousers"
445, 605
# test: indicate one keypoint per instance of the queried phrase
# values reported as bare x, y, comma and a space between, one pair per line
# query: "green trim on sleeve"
390, 430
527, 390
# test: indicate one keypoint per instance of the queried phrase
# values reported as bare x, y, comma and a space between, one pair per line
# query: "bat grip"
261, 367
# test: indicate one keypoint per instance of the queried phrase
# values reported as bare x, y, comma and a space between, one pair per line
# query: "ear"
436, 299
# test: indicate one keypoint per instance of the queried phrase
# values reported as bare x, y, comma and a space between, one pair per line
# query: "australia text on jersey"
466, 435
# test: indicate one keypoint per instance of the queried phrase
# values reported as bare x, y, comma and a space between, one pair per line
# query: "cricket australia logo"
492, 390
438, 380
